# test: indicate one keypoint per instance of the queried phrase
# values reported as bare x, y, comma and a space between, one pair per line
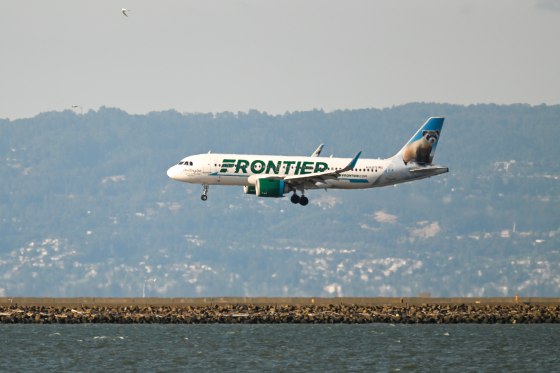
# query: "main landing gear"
303, 200
204, 195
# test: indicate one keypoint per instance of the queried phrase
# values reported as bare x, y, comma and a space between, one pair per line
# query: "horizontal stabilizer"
429, 171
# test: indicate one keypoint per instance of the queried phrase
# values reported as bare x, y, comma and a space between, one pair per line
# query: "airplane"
276, 176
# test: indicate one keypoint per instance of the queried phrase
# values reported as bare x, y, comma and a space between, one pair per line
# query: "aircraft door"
211, 167
215, 167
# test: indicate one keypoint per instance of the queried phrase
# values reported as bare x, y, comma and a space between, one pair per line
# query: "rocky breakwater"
294, 314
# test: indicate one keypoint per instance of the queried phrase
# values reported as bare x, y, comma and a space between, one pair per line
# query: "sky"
275, 56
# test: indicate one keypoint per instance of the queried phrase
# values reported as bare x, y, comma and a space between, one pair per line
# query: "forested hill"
86, 208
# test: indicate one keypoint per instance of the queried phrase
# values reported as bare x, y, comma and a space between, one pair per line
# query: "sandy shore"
278, 310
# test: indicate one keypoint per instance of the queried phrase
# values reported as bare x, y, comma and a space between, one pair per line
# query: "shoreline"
19, 310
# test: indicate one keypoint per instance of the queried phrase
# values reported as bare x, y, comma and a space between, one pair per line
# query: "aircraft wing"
319, 177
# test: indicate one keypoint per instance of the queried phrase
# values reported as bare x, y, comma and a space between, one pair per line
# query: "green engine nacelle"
249, 189
270, 188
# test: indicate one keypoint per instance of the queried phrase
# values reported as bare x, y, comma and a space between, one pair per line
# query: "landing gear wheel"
204, 195
295, 198
303, 201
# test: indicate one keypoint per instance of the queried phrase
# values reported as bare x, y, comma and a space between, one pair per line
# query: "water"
285, 347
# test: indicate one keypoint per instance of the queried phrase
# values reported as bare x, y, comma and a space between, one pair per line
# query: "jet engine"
270, 188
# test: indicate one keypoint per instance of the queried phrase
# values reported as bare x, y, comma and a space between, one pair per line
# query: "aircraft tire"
204, 197
303, 201
295, 199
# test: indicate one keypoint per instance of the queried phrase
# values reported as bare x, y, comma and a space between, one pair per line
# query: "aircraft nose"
172, 172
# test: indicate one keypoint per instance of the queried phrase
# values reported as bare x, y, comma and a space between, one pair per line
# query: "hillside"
86, 208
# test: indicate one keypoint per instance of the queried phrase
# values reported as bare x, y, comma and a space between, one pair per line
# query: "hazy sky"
275, 55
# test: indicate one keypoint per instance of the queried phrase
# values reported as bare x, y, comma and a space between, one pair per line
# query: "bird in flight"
125, 11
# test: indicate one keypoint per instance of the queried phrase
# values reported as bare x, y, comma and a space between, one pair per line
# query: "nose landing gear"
204, 195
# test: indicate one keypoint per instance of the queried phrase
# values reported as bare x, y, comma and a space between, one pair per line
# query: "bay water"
282, 348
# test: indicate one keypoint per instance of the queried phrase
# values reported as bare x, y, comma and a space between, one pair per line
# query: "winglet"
352, 163
317, 151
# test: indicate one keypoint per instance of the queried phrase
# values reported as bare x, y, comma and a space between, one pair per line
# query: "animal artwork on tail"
421, 150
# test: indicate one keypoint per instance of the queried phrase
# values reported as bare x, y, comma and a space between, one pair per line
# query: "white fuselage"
243, 169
